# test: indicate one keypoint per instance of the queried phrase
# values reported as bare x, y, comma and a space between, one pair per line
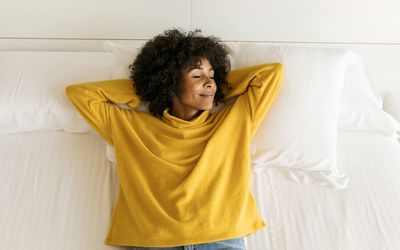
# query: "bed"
334, 188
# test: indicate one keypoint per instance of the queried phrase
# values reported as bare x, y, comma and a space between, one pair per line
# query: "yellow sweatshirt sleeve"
256, 87
93, 101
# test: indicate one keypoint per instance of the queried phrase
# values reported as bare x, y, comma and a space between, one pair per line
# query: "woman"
184, 171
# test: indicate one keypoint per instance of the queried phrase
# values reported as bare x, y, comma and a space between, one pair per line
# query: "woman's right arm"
93, 100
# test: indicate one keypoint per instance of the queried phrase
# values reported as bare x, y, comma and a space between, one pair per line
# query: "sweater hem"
181, 242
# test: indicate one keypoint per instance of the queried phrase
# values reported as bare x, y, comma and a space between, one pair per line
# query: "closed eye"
211, 77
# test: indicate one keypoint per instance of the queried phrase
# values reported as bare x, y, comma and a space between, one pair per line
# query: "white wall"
344, 21
370, 27
91, 19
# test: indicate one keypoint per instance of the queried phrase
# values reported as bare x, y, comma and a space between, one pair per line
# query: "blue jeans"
230, 244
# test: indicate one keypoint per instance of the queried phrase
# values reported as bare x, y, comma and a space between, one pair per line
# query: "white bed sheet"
365, 216
57, 191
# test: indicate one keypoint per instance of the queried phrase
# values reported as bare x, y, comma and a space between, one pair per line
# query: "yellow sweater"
181, 182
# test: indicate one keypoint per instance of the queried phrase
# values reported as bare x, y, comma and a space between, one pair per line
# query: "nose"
209, 82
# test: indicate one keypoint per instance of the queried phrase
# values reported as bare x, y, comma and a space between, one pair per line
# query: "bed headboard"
371, 29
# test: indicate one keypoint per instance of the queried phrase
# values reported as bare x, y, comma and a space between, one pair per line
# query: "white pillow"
361, 103
124, 56
33, 84
297, 138
391, 104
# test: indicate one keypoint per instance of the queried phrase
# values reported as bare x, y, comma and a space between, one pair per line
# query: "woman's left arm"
257, 87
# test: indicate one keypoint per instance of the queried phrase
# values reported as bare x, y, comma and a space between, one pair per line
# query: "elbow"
272, 73
274, 70
279, 68
70, 90
278, 71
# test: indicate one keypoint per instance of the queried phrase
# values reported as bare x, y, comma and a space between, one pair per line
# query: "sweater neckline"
180, 123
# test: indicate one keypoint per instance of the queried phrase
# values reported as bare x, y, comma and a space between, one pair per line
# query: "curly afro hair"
157, 71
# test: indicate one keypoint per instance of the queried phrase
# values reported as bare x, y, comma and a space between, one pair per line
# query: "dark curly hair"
157, 71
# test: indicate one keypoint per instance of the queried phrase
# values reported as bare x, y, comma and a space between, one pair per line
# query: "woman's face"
197, 92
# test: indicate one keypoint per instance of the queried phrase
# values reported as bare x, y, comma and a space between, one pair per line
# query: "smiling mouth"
206, 95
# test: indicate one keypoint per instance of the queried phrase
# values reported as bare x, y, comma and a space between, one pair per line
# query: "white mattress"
364, 216
57, 191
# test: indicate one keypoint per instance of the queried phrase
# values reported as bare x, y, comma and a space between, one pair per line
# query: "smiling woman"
174, 63
198, 90
184, 171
